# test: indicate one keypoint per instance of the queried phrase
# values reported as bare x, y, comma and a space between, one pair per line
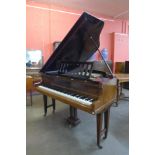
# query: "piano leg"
47, 106
73, 119
99, 118
101, 131
53, 104
106, 122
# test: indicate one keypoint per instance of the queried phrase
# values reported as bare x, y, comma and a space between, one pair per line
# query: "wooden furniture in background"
122, 75
126, 84
32, 76
29, 88
121, 78
33, 72
119, 67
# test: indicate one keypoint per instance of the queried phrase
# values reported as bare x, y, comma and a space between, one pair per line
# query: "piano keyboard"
74, 97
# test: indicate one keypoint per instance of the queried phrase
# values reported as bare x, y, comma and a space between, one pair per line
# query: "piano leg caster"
99, 146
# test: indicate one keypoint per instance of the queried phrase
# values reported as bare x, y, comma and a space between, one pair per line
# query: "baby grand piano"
67, 76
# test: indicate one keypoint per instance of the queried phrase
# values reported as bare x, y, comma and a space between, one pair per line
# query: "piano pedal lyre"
73, 119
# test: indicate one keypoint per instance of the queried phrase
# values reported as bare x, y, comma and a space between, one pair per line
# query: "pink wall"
45, 26
120, 48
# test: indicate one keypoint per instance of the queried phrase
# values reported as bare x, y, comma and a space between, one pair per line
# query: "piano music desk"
121, 78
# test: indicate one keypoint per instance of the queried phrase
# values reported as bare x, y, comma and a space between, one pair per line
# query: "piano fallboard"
82, 87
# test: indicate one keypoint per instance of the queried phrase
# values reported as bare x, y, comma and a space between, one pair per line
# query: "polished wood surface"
33, 72
122, 77
102, 90
119, 67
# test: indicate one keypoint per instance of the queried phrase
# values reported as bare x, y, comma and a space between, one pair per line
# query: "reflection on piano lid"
77, 45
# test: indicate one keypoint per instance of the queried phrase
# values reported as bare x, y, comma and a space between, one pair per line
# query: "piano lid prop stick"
111, 74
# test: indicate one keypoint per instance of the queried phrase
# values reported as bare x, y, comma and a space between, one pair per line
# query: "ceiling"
116, 9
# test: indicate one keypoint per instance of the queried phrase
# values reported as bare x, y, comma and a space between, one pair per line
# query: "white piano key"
74, 98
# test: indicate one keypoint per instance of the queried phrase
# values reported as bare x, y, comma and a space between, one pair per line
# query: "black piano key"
77, 95
87, 98
83, 97
72, 94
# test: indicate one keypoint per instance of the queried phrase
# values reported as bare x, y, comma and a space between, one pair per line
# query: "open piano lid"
77, 45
